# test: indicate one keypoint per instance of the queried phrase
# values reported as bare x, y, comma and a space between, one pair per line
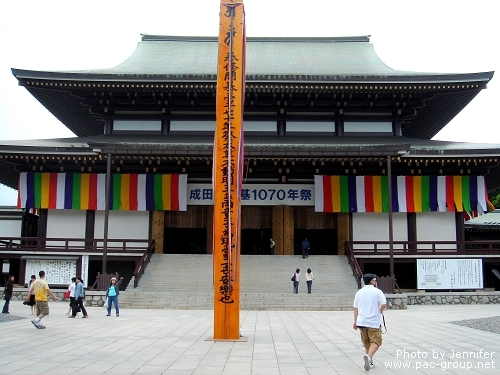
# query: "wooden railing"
143, 262
102, 280
72, 245
355, 249
425, 248
356, 270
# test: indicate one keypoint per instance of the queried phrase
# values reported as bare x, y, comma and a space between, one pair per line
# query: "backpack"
293, 277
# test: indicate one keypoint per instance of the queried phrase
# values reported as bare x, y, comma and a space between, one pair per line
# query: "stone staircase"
177, 281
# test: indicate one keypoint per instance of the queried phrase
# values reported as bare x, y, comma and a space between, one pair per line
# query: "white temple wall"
123, 225
375, 227
65, 224
71, 224
436, 226
10, 227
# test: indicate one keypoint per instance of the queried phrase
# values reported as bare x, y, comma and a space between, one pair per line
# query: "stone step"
185, 282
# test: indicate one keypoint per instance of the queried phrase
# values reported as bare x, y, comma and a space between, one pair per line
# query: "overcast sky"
426, 36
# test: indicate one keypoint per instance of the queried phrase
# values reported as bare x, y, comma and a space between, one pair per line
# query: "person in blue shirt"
79, 295
272, 245
112, 295
305, 248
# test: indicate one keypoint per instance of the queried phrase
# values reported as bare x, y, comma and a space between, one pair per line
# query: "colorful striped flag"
409, 193
86, 191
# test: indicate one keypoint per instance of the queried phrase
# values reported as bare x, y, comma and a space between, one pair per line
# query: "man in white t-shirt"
369, 303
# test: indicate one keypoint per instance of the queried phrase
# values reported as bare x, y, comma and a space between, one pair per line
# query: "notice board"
449, 274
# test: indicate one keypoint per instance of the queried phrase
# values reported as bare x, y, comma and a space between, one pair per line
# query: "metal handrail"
143, 263
351, 258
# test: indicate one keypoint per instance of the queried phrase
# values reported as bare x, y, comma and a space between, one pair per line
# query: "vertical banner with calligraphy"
228, 170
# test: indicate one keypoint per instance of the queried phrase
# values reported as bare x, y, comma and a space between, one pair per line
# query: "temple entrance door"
185, 232
322, 241
256, 230
255, 241
185, 241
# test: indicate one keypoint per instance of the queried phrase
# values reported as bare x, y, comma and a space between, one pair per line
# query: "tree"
496, 201
495, 194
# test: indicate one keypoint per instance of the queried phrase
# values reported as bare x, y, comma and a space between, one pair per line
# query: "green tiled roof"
268, 59
179, 65
490, 221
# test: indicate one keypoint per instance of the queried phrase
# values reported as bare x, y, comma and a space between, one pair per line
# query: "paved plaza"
420, 340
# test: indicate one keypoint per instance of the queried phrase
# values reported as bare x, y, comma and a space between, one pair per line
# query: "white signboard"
257, 195
85, 270
449, 274
57, 270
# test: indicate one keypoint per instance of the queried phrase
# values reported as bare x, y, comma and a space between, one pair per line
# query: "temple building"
337, 149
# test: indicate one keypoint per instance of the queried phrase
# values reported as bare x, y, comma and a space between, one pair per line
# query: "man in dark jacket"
9, 290
305, 248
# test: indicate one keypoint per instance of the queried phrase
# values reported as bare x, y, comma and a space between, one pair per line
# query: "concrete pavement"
420, 340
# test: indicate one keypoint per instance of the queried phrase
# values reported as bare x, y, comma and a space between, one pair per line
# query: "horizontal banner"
257, 195
87, 191
409, 194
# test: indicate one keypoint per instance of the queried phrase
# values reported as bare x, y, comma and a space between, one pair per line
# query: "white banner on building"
449, 274
257, 195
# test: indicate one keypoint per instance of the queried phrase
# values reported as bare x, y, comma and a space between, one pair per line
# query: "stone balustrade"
401, 301
92, 298
453, 298
394, 301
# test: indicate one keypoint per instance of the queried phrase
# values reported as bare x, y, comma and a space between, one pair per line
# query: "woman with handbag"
31, 302
78, 298
70, 294
296, 281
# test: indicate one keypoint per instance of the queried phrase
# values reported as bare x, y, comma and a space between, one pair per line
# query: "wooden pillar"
89, 228
210, 232
278, 233
158, 230
42, 226
288, 229
342, 232
22, 271
283, 229
460, 227
227, 171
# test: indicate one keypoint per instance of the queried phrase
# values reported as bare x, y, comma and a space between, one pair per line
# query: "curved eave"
132, 144
452, 94
438, 112
256, 147
67, 108
262, 78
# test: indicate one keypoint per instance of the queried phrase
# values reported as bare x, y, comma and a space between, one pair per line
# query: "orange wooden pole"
227, 171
